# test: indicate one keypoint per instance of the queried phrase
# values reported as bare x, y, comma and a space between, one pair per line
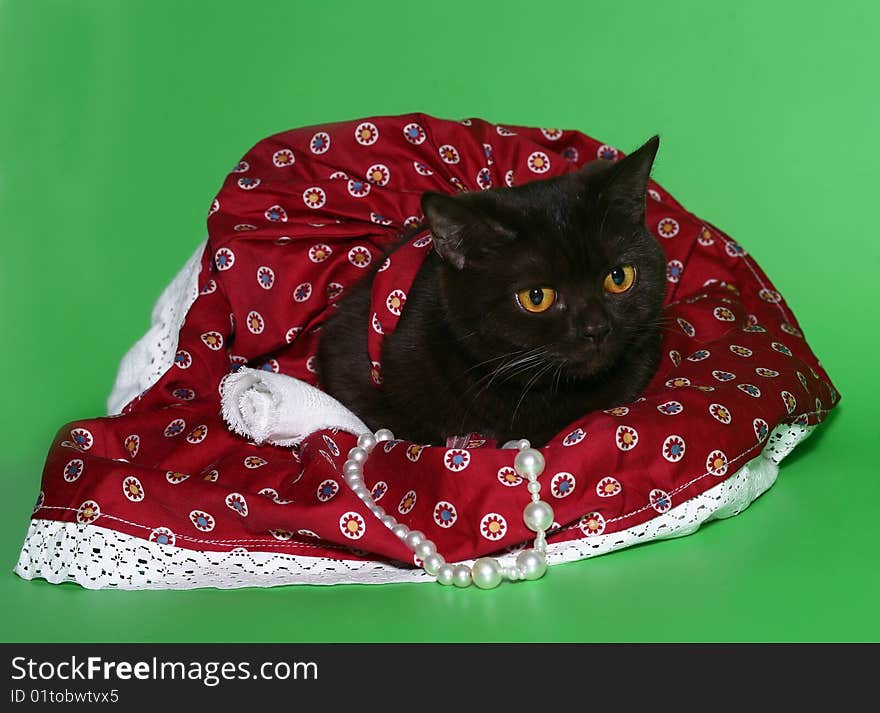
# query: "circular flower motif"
617, 411
570, 153
212, 476
626, 438
378, 174
562, 485
182, 359
359, 256
705, 237
509, 477
592, 524
771, 296
675, 357
82, 438
660, 500
723, 375
386, 263
686, 326
423, 241
509, 178
749, 389
456, 459
163, 536
484, 179
320, 252
265, 277
378, 491
449, 154
241, 167
803, 380
327, 490
41, 500
210, 286
538, 162
376, 373
445, 514
608, 487
331, 445
366, 133
716, 463
215, 206
678, 382
654, 194
668, 228
674, 269
761, 429
781, 348
352, 526
576, 436
670, 408
699, 355
88, 512
395, 302
414, 452
241, 227
673, 449
73, 470
493, 526
376, 324
740, 351
282, 535
422, 169
320, 143
276, 214
358, 188
202, 520
723, 314
414, 133
254, 462
792, 330
175, 428
733, 249
132, 489
607, 153
789, 401
720, 413
552, 134
246, 183
768, 373
212, 340
255, 323
283, 157
132, 445
302, 292
174, 477
380, 219
314, 197
198, 434
407, 502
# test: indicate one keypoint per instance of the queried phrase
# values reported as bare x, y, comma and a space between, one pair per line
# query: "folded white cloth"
277, 408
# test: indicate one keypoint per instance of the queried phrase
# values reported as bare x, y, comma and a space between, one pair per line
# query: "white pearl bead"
414, 539
367, 441
486, 573
424, 549
388, 521
377, 510
523, 443
358, 455
532, 564
352, 478
351, 466
511, 444
529, 462
445, 574
461, 575
383, 434
432, 563
538, 516
534, 487
400, 530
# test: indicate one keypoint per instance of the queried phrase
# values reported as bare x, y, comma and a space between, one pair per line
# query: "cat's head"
564, 267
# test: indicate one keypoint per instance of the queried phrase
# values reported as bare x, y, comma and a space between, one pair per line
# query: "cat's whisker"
546, 368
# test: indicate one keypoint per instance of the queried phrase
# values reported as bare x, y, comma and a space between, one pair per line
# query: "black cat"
538, 304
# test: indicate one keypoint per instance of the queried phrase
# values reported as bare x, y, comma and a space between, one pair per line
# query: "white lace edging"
152, 355
99, 558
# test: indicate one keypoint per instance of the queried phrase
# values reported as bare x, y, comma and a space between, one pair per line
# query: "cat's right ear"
456, 229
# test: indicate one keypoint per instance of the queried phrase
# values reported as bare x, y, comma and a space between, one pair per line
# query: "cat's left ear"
460, 230
628, 180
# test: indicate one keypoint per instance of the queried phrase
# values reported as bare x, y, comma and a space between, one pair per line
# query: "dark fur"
449, 368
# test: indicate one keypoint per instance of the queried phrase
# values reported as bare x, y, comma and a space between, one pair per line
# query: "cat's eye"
536, 299
620, 279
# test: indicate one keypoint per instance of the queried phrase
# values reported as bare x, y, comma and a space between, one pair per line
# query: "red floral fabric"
303, 216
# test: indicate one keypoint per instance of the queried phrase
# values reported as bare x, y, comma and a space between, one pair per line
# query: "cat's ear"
627, 183
458, 228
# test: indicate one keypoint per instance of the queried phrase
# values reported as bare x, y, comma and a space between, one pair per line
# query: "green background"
119, 121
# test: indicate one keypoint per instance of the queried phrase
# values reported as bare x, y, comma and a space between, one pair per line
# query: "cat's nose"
597, 331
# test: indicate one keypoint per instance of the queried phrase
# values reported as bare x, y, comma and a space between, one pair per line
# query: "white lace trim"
153, 354
98, 558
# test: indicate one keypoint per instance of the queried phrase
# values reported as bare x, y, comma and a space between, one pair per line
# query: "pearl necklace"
486, 572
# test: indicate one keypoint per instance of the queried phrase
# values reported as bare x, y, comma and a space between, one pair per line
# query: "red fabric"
298, 221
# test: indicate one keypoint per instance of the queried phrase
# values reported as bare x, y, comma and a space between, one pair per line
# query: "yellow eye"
537, 299
620, 279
